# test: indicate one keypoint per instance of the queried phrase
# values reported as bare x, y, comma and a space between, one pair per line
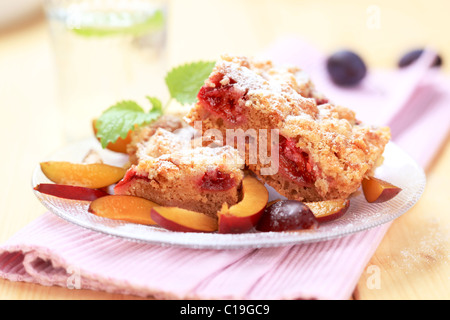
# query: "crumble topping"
172, 170
265, 84
164, 142
324, 138
172, 154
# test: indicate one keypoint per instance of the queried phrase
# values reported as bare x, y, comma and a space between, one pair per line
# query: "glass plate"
398, 168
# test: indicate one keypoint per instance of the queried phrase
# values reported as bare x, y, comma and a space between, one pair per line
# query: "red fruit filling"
129, 177
295, 164
215, 180
223, 100
320, 101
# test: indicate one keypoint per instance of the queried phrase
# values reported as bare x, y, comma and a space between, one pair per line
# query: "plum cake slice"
171, 172
141, 136
322, 151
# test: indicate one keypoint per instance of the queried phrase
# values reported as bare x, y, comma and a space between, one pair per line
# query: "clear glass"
398, 168
106, 51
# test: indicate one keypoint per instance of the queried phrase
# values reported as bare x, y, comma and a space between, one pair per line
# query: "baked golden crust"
338, 150
171, 172
192, 162
141, 136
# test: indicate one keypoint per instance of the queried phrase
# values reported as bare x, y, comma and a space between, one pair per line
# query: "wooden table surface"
412, 261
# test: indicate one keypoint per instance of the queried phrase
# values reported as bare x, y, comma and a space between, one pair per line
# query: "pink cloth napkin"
52, 252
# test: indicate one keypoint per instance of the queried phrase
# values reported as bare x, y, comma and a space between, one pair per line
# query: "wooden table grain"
412, 261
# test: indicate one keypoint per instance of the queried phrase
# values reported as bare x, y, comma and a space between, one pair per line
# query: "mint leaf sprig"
183, 83
122, 117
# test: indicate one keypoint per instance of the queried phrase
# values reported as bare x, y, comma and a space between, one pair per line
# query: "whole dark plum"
287, 215
346, 68
411, 56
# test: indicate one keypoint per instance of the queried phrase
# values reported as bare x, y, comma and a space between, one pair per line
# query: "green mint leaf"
156, 104
103, 25
119, 119
185, 81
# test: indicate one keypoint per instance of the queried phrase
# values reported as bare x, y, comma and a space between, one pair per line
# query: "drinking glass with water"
106, 51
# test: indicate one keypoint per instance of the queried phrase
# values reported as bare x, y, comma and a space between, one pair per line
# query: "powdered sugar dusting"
430, 245
169, 153
272, 87
204, 157
160, 143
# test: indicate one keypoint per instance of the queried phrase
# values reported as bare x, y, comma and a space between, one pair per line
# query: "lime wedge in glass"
113, 24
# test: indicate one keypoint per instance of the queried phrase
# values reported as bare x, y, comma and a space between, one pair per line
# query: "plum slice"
70, 192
